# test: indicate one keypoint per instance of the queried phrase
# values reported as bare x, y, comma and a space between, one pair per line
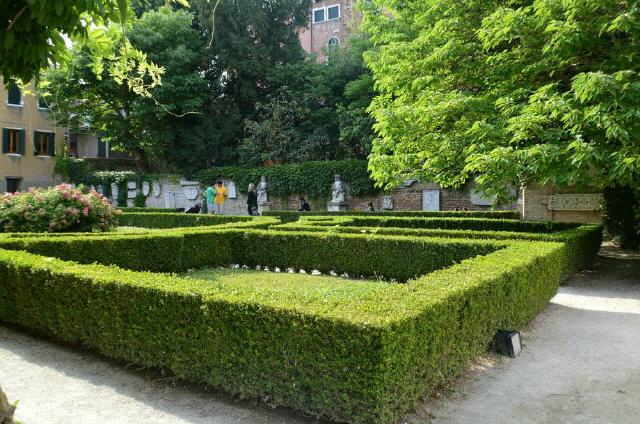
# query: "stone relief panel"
574, 202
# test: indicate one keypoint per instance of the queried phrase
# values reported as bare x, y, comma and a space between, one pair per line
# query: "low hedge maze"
361, 351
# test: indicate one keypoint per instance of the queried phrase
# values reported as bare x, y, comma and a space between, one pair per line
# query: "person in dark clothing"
304, 206
252, 199
370, 207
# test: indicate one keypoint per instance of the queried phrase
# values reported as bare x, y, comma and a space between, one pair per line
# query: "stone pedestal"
264, 207
337, 207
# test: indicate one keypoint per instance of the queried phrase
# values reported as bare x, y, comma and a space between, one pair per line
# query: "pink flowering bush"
58, 209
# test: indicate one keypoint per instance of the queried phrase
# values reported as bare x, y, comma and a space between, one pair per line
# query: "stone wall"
568, 204
179, 193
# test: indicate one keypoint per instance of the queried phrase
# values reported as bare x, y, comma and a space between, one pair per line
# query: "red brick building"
330, 23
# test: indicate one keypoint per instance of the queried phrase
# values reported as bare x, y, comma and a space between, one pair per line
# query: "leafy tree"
32, 35
519, 91
317, 111
159, 124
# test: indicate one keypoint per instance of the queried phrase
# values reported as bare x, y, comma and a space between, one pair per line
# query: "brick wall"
535, 206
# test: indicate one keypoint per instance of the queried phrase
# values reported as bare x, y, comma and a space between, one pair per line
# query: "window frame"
45, 107
15, 180
324, 15
47, 139
21, 101
17, 141
329, 45
331, 7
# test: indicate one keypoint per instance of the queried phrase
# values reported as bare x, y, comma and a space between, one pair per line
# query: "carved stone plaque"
430, 200
574, 202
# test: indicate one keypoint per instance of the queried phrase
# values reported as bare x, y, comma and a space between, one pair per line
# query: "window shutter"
35, 143
51, 144
21, 143
5, 140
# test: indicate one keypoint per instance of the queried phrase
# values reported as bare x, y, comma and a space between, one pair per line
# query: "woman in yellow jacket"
221, 194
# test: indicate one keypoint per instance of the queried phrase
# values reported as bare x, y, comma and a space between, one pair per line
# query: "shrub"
58, 209
361, 358
312, 178
289, 216
351, 351
175, 220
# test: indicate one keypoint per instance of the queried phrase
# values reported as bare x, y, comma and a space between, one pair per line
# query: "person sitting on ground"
370, 207
304, 206
221, 194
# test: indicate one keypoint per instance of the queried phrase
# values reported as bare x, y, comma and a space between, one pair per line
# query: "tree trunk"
6, 409
621, 216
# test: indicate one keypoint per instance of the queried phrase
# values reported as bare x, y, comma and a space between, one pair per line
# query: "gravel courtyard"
580, 364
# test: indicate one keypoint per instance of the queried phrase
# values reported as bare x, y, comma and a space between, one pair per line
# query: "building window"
44, 143
13, 184
42, 104
319, 15
328, 13
333, 12
14, 96
333, 42
12, 141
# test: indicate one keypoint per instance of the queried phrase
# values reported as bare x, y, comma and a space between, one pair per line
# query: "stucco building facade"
30, 140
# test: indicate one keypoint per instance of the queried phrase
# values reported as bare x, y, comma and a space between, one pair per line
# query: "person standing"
252, 199
221, 194
210, 195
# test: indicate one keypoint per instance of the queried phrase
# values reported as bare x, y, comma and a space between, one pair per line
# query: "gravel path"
580, 364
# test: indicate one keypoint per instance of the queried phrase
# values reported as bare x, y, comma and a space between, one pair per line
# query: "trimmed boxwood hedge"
362, 356
363, 360
390, 257
288, 216
175, 220
478, 224
154, 210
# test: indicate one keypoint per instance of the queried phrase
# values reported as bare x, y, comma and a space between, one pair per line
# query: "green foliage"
58, 209
31, 36
317, 111
509, 92
165, 219
360, 352
312, 178
294, 216
621, 216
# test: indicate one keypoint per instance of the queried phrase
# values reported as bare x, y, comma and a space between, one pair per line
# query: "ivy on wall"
79, 171
312, 178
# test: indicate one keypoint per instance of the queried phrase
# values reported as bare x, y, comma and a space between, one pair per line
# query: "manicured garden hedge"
351, 351
288, 216
478, 224
390, 257
175, 220
154, 210
362, 360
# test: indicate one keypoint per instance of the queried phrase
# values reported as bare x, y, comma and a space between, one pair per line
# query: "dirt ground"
580, 364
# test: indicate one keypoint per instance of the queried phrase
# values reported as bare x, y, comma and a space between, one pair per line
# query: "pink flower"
85, 211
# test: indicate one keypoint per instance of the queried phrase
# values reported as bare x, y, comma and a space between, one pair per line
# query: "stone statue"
387, 203
262, 190
337, 196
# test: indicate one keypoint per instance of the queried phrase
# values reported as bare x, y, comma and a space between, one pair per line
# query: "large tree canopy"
510, 92
317, 111
32, 32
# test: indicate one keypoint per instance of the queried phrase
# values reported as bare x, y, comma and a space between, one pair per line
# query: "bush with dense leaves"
58, 209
